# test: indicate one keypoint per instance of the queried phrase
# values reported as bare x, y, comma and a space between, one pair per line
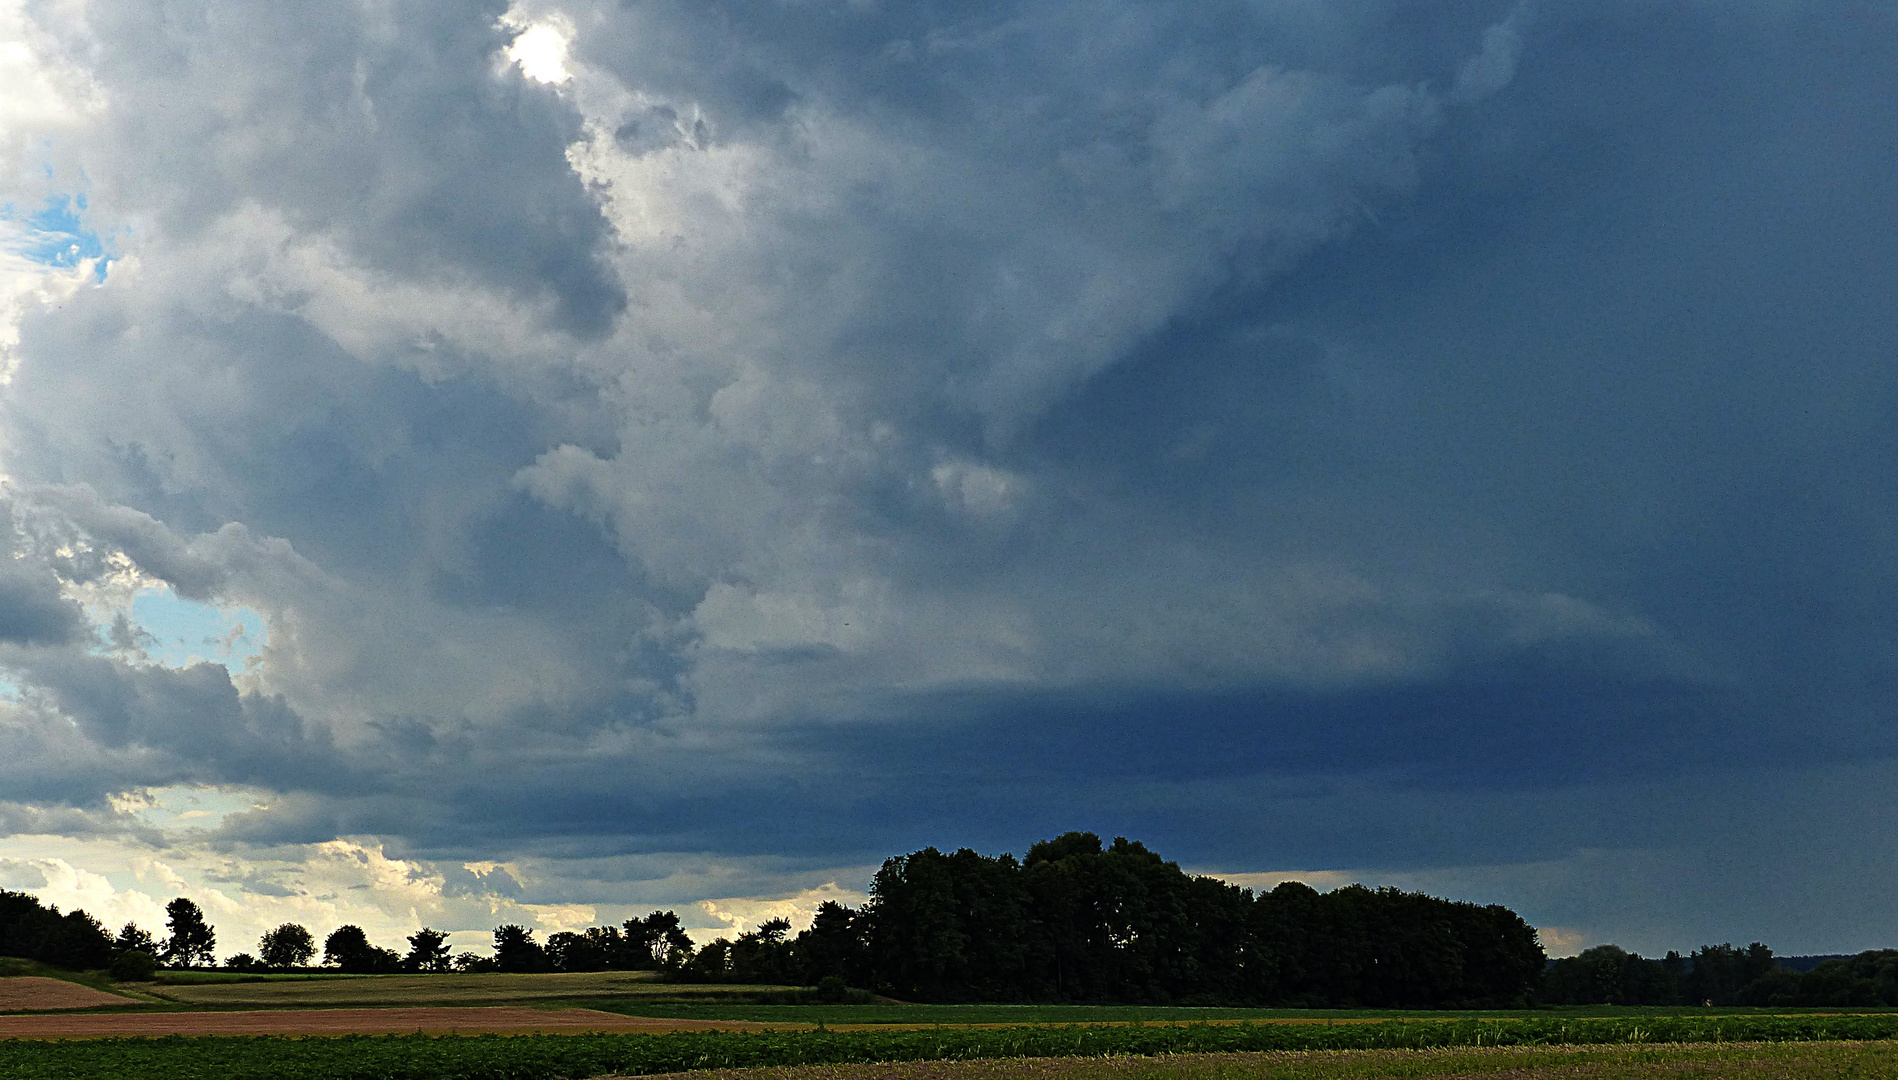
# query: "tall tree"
516, 950
1719, 972
428, 951
656, 941
131, 937
764, 955
190, 940
348, 948
836, 945
287, 946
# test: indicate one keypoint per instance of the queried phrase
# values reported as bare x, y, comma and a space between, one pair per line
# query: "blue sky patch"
57, 234
185, 632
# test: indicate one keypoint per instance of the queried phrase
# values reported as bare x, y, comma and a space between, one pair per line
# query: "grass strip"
552, 1057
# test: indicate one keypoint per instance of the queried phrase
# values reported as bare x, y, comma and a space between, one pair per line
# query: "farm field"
954, 1015
1396, 1048
1743, 1061
781, 1056
20, 992
625, 988
457, 1020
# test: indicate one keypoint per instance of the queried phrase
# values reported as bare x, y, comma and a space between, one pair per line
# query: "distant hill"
1806, 963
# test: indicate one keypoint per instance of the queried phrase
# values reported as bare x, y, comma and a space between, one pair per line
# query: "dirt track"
34, 992
442, 1021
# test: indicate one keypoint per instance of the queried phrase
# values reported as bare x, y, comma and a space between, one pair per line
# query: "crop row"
549, 1057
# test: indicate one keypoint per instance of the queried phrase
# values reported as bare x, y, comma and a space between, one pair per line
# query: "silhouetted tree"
38, 931
1719, 972
764, 955
516, 950
951, 927
656, 941
837, 945
190, 941
428, 951
468, 963
132, 938
570, 951
348, 948
710, 963
1077, 920
1608, 975
1869, 979
287, 946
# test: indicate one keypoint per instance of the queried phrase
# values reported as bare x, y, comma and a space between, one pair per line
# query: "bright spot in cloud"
1559, 941
540, 50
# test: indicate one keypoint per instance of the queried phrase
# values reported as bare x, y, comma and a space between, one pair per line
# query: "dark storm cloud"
32, 612
1359, 435
189, 724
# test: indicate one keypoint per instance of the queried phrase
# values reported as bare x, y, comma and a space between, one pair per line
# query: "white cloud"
246, 892
740, 915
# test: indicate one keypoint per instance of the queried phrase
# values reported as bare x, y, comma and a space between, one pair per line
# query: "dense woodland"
1073, 921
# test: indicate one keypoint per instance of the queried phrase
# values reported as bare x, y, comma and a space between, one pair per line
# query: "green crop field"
837, 1015
1738, 1061
576, 1056
1742, 1061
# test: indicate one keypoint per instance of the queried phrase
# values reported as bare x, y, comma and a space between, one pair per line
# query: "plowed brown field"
34, 992
436, 1021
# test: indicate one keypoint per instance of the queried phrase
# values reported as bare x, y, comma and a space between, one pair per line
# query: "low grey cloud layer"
696, 450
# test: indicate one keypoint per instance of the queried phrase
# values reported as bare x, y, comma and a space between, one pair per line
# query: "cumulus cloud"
742, 915
660, 442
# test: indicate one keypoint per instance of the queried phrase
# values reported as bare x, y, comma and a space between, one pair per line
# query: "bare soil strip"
35, 992
502, 1020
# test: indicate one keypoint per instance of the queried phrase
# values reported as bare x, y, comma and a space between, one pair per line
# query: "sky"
469, 463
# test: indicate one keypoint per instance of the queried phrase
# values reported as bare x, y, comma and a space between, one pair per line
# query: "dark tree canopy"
516, 950
428, 951
1868, 979
134, 939
38, 931
190, 942
287, 946
1079, 920
348, 948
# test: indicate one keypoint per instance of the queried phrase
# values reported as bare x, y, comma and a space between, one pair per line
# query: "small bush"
133, 965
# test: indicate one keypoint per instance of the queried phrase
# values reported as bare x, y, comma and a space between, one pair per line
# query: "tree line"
1719, 975
1078, 921
1074, 920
